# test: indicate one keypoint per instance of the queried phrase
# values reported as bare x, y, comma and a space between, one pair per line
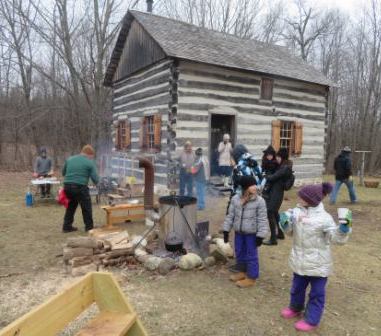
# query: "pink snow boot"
288, 313
304, 326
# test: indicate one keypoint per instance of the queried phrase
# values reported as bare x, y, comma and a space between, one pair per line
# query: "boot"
236, 268
303, 325
226, 182
245, 283
238, 276
280, 235
288, 313
270, 242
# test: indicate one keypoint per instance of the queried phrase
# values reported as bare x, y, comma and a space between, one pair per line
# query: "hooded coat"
313, 230
250, 218
343, 166
274, 191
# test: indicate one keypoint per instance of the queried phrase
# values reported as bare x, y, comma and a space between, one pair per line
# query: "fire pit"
179, 221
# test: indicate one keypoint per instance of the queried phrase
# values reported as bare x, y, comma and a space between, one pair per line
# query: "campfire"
172, 239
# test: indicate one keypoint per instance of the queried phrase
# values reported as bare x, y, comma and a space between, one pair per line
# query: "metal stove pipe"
149, 180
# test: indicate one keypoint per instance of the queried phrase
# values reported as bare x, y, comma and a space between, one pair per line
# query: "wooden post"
362, 170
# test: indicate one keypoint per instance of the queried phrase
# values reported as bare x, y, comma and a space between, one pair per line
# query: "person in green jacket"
77, 171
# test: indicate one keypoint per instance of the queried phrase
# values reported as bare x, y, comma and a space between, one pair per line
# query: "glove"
258, 241
226, 236
345, 227
284, 220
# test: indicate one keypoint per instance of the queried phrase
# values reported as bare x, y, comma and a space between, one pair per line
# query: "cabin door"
219, 125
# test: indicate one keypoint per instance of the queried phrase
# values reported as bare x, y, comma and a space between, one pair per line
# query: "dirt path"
200, 302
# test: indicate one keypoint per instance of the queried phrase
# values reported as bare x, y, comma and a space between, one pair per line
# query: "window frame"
287, 136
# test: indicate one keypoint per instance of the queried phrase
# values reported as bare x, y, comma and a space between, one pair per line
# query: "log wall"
147, 92
204, 90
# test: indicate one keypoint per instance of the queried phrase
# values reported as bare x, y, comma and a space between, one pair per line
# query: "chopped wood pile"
86, 254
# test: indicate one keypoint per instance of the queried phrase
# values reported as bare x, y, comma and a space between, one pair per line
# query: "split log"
86, 242
80, 261
119, 253
70, 253
119, 261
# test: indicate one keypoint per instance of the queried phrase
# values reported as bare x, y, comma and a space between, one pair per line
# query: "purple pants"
246, 253
315, 305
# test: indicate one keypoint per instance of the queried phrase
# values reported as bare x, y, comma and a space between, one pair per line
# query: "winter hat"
88, 150
269, 150
43, 150
198, 151
313, 194
283, 153
226, 137
347, 149
246, 181
238, 151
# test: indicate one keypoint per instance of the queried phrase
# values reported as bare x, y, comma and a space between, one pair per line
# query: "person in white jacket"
225, 150
312, 229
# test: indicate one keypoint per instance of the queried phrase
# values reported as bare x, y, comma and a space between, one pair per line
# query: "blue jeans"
200, 189
186, 182
336, 188
246, 253
315, 306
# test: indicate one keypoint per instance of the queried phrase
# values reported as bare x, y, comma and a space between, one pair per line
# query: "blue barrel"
28, 199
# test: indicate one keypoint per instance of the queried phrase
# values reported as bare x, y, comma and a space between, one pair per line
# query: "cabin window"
150, 133
123, 135
267, 88
287, 134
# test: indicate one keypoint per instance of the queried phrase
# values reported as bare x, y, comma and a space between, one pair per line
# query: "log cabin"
173, 81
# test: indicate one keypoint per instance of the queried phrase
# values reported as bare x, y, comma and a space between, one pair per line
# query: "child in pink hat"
313, 229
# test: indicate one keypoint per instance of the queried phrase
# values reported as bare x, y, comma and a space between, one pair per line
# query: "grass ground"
199, 302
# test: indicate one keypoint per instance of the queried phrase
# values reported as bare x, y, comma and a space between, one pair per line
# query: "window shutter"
298, 138
157, 131
128, 135
143, 134
275, 138
117, 137
266, 89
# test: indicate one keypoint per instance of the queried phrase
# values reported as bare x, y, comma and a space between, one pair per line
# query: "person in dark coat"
269, 162
343, 174
273, 194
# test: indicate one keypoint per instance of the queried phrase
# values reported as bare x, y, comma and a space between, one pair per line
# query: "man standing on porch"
187, 158
225, 159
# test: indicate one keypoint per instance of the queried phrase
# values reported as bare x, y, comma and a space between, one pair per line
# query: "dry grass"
200, 302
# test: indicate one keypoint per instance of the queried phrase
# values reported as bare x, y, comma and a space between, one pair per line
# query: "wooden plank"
123, 207
109, 324
109, 297
53, 315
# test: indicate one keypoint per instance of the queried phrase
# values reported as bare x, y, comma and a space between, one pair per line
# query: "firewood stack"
85, 254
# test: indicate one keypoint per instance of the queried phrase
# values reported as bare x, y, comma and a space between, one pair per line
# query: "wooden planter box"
371, 183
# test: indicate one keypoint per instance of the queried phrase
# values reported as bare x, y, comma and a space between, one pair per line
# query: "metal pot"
173, 242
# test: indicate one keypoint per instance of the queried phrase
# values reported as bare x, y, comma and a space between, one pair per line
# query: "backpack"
289, 183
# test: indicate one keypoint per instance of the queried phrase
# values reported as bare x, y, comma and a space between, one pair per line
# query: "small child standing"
248, 216
313, 229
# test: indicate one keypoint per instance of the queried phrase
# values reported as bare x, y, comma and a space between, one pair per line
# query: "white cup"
342, 213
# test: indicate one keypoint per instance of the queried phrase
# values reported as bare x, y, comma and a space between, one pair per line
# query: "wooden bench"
116, 317
132, 212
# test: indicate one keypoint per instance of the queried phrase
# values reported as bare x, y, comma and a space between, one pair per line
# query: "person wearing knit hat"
248, 217
313, 229
343, 174
77, 171
313, 194
43, 167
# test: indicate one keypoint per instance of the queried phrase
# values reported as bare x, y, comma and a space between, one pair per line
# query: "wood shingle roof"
186, 41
